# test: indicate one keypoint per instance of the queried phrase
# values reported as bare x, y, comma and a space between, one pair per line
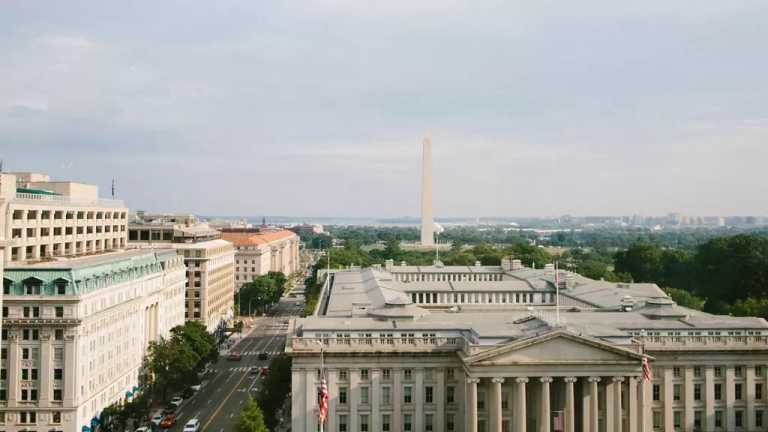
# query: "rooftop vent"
477, 264
524, 319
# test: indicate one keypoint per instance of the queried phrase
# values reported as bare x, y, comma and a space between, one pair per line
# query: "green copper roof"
35, 191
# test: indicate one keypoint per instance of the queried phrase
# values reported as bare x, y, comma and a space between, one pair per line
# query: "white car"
142, 429
157, 419
192, 426
196, 387
176, 401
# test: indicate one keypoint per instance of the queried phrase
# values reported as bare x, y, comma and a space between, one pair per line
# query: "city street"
218, 403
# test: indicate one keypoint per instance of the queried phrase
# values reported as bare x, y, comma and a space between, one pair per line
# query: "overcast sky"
312, 108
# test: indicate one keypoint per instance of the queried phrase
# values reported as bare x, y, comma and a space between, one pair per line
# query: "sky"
318, 108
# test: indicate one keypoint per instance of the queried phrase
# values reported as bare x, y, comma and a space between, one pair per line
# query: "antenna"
557, 295
113, 188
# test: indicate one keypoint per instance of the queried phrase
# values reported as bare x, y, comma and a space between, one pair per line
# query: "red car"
168, 421
264, 371
234, 356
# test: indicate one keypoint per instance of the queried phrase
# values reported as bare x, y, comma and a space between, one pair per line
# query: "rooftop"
256, 238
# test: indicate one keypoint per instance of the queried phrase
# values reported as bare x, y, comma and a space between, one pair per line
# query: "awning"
129, 394
85, 429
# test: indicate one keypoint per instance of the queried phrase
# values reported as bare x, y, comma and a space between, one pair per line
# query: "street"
218, 403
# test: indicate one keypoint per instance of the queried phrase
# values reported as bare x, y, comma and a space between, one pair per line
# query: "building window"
342, 395
407, 423
759, 391
342, 375
385, 421
59, 312
676, 392
739, 417
408, 374
428, 394
656, 392
697, 392
57, 394
758, 371
677, 419
737, 391
450, 394
386, 395
718, 391
697, 420
718, 372
407, 394
697, 371
386, 374
342, 423
363, 422
759, 418
738, 371
656, 420
364, 395
58, 374
28, 417
676, 372
58, 334
25, 353
450, 423
364, 374
480, 401
428, 422
718, 419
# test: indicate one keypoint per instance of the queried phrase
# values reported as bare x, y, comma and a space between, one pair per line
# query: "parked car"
168, 421
142, 429
170, 409
236, 356
156, 419
176, 401
196, 387
192, 426
255, 370
264, 371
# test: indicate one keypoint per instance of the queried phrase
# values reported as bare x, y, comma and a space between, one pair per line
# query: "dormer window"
32, 286
7, 284
60, 286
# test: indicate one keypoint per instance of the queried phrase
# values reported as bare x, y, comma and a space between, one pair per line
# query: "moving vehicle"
196, 387
263, 356
168, 421
236, 356
192, 426
176, 401
255, 370
264, 371
142, 429
156, 419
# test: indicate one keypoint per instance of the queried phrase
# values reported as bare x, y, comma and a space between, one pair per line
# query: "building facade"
75, 332
486, 349
258, 252
209, 260
48, 219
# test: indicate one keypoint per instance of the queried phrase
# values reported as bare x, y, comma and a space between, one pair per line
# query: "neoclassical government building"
483, 349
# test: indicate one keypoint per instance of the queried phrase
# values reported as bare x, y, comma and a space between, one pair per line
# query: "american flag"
323, 401
647, 375
559, 422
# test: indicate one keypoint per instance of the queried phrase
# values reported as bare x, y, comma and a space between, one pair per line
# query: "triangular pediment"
558, 347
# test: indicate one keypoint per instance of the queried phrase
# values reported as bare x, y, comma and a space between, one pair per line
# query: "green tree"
750, 307
642, 261
173, 365
275, 388
732, 268
194, 335
685, 298
251, 418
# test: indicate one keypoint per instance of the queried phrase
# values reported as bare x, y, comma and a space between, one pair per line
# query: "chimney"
388, 264
506, 264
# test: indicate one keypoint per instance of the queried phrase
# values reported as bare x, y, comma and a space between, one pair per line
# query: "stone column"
375, 398
311, 399
688, 399
418, 399
632, 405
586, 404
593, 404
333, 394
520, 409
544, 410
14, 366
617, 417
439, 399
495, 412
460, 391
749, 374
354, 397
471, 404
709, 399
644, 405
69, 370
570, 405
730, 419
45, 371
397, 399
669, 423
297, 402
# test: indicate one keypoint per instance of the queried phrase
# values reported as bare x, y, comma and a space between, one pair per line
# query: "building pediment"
557, 347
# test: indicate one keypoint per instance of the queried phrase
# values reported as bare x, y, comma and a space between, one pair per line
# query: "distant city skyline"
251, 108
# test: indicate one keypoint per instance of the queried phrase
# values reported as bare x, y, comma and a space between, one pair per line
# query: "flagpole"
557, 295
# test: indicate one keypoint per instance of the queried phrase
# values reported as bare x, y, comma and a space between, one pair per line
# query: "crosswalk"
253, 353
240, 369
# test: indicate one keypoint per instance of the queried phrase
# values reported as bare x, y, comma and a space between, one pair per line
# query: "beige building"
258, 252
75, 332
47, 219
479, 348
209, 259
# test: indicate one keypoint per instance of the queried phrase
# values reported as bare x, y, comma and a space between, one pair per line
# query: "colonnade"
614, 403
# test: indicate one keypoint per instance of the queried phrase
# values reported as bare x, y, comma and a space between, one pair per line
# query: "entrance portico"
554, 382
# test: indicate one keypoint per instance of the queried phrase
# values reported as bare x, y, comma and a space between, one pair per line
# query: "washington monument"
427, 220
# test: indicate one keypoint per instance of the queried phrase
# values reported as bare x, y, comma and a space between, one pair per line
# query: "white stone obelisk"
427, 220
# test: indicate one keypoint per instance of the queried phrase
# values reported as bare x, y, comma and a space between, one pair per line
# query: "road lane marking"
224, 401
